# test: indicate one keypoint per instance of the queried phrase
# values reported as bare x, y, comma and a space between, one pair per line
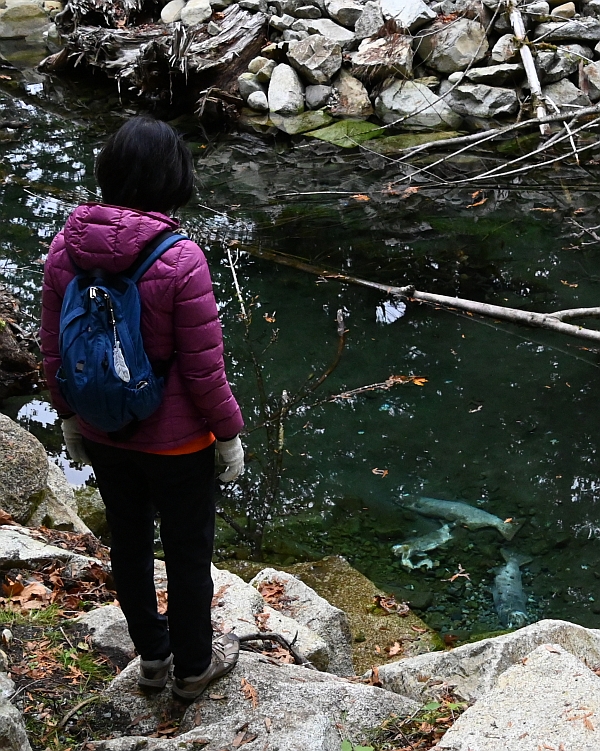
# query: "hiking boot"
155, 673
225, 653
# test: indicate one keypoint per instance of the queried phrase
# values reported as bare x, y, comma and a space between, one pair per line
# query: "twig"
75, 709
299, 659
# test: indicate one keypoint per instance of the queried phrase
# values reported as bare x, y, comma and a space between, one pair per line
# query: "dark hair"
145, 165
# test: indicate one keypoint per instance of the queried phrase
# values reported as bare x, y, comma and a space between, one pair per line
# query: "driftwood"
19, 371
516, 21
552, 321
168, 63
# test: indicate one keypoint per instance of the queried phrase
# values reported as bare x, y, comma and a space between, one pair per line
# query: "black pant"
133, 485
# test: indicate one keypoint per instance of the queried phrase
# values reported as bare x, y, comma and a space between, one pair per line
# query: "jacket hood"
97, 235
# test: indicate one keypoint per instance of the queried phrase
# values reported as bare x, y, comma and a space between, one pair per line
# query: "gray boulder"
284, 706
505, 50
451, 47
172, 11
591, 74
567, 10
281, 23
553, 65
473, 669
565, 94
109, 634
377, 59
346, 12
317, 96
23, 20
286, 92
247, 84
258, 101
328, 28
370, 21
195, 12
58, 510
91, 510
479, 100
13, 736
551, 700
536, 9
350, 98
316, 58
408, 14
23, 471
493, 75
577, 30
422, 109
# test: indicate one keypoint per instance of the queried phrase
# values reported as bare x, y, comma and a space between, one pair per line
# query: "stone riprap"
390, 47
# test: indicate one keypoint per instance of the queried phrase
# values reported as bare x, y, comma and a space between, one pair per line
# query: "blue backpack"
105, 376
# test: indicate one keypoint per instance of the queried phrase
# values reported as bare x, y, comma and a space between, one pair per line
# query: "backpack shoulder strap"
151, 252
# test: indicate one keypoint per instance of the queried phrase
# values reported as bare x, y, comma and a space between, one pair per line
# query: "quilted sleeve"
51, 305
199, 344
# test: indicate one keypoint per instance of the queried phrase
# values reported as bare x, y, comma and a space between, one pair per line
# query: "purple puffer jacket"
179, 315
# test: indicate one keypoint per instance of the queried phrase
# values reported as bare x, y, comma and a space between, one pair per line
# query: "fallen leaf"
374, 677
380, 472
552, 649
420, 381
250, 693
567, 284
460, 572
410, 191
509, 520
268, 724
361, 197
269, 318
419, 630
476, 409
588, 723
395, 649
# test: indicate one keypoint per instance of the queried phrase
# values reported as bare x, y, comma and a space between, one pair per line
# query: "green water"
506, 420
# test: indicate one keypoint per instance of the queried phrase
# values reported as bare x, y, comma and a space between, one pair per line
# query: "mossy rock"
90, 509
373, 630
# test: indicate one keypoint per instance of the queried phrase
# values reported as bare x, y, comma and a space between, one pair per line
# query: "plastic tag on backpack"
121, 368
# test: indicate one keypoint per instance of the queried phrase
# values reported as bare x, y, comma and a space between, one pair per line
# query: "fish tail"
519, 558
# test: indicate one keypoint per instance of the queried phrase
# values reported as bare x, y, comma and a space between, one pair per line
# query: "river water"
501, 417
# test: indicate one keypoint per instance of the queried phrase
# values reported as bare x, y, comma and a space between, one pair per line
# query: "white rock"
58, 510
305, 606
473, 669
376, 59
541, 703
505, 50
408, 14
172, 11
350, 99
566, 95
401, 99
537, 8
286, 92
316, 58
13, 736
258, 101
308, 11
346, 12
247, 84
328, 28
564, 11
257, 63
451, 47
196, 11
264, 74
281, 23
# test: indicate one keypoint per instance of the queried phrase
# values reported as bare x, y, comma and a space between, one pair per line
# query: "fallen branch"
516, 21
552, 321
299, 659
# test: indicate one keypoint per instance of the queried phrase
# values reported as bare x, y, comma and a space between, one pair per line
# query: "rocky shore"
304, 66
538, 687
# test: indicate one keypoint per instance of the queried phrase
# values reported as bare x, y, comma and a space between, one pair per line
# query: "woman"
145, 173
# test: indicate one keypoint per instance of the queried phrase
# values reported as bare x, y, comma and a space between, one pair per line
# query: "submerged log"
170, 63
19, 370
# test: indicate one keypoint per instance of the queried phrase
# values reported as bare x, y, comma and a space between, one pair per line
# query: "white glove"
74, 440
232, 455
